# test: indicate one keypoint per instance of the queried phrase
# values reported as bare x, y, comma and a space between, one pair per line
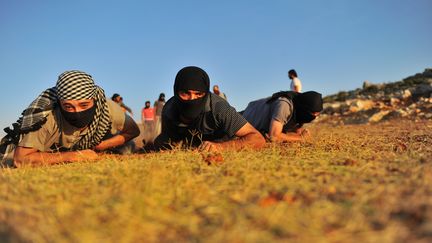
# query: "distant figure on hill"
68, 123
119, 100
147, 118
217, 91
281, 116
296, 85
158, 106
199, 118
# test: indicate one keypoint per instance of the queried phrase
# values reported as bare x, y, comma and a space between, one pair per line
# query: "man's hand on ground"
207, 146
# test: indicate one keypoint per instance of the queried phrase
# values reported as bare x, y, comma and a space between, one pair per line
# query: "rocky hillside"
410, 98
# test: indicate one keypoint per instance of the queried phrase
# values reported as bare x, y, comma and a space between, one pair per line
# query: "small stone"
402, 113
349, 162
406, 94
214, 159
394, 101
360, 105
378, 116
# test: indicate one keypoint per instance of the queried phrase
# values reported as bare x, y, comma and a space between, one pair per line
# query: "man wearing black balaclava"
201, 119
281, 116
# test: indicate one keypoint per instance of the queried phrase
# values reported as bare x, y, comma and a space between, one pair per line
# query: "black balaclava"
191, 78
307, 103
162, 97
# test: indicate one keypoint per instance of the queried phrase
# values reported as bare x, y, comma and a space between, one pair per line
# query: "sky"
135, 48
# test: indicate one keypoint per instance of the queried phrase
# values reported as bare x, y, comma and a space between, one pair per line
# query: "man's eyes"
70, 107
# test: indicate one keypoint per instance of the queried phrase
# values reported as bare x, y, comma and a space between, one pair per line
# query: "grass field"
362, 183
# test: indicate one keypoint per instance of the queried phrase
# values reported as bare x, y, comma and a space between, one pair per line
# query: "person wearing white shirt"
295, 81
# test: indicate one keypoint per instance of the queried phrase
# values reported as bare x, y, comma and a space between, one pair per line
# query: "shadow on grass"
8, 234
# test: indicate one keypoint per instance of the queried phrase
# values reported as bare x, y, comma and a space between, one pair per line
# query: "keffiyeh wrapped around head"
71, 85
75, 85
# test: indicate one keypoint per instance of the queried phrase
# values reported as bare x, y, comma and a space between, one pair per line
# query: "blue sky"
135, 48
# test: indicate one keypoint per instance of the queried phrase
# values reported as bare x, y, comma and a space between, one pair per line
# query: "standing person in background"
119, 100
158, 106
218, 92
147, 118
296, 85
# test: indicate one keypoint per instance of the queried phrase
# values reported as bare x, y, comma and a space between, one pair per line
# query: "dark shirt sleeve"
130, 129
167, 136
228, 118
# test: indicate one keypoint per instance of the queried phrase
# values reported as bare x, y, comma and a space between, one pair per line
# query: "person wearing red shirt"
148, 118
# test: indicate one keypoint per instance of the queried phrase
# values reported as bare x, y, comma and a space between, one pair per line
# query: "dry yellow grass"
364, 183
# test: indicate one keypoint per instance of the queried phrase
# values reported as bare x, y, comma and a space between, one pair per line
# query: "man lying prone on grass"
67, 123
201, 119
281, 117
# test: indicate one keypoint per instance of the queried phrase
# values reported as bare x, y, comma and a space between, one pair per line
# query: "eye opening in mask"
191, 94
76, 105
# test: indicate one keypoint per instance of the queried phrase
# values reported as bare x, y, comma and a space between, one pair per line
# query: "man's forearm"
115, 141
45, 158
251, 140
286, 137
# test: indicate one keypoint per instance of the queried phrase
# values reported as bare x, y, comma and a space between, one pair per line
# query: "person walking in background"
296, 85
195, 117
281, 117
217, 91
68, 123
119, 100
158, 106
147, 118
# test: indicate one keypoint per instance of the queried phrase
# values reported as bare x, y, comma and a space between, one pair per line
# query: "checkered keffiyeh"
71, 85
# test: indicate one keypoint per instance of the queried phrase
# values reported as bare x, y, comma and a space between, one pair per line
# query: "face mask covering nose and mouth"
79, 119
196, 79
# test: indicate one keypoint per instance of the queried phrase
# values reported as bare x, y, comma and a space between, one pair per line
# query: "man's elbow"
260, 141
162, 142
20, 160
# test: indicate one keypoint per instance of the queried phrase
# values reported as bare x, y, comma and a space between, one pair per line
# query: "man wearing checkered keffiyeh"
80, 109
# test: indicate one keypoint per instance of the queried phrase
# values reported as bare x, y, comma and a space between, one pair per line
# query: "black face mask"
305, 104
196, 79
191, 109
79, 119
303, 116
